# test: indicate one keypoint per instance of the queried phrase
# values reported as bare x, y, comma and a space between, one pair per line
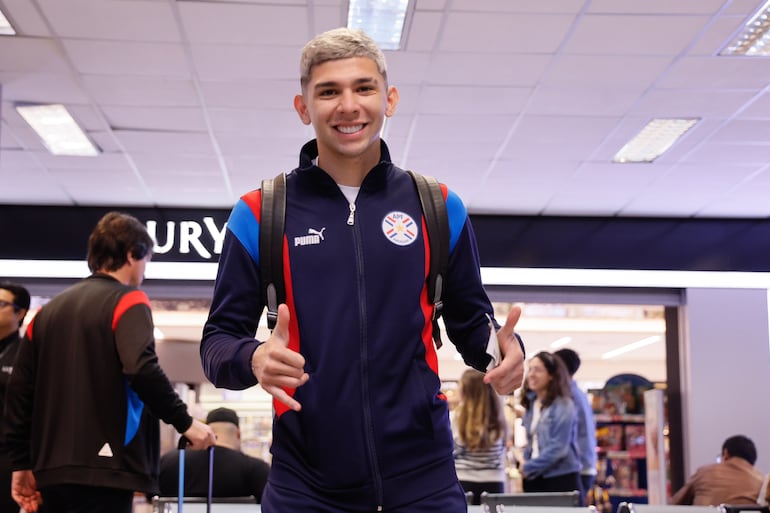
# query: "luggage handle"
182, 445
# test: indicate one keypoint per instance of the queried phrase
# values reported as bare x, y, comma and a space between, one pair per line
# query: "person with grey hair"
86, 394
360, 422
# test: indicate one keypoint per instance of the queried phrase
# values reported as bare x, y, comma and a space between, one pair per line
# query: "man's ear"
301, 107
392, 101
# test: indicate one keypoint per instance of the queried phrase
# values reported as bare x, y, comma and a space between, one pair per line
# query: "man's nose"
348, 102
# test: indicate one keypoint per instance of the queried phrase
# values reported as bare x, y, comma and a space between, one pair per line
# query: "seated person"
235, 474
733, 480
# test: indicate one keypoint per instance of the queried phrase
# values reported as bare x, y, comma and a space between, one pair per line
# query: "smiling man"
360, 421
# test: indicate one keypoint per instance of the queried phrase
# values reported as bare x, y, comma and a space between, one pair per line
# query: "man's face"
346, 101
10, 317
137, 270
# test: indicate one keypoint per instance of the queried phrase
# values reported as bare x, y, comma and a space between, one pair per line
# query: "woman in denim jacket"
551, 462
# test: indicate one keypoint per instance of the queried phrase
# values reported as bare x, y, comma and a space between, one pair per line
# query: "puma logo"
313, 231
312, 238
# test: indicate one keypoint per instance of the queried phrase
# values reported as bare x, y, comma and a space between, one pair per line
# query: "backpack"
271, 233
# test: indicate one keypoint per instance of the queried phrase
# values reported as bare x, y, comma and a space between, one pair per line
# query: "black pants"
70, 498
562, 483
477, 488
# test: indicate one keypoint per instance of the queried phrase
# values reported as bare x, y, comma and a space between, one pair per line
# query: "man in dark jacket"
14, 304
83, 403
235, 474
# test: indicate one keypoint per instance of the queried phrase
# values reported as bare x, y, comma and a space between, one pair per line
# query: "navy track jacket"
374, 427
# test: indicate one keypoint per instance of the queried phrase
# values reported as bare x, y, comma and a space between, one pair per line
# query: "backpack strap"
437, 222
271, 228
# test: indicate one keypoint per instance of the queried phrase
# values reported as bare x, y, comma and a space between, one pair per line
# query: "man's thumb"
281, 329
512, 319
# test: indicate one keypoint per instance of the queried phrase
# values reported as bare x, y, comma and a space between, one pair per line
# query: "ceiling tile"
109, 19
245, 24
633, 35
126, 58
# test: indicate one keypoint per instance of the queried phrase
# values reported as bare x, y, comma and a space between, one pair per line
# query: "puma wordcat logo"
312, 238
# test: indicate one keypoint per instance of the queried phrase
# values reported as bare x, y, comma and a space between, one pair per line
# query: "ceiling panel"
495, 94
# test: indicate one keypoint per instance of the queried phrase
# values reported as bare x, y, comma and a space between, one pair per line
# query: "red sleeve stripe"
254, 200
29, 328
133, 298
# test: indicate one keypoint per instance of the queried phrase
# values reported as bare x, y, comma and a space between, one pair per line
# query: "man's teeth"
350, 129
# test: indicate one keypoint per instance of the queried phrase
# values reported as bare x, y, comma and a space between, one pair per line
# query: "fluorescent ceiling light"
560, 342
754, 39
6, 29
382, 20
58, 130
654, 140
630, 347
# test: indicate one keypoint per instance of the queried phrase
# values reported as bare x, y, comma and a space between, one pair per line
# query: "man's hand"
24, 490
276, 366
200, 435
509, 375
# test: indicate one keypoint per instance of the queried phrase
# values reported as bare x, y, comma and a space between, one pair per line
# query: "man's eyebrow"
359, 81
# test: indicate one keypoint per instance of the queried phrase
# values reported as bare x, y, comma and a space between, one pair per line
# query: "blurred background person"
733, 480
551, 462
480, 435
235, 474
14, 305
84, 401
586, 427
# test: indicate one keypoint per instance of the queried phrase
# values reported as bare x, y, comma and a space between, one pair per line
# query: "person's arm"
560, 428
467, 309
19, 399
228, 341
685, 495
134, 341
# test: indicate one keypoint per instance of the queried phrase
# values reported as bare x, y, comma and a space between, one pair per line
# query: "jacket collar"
321, 180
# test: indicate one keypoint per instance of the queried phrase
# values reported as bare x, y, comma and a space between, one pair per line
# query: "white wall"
726, 372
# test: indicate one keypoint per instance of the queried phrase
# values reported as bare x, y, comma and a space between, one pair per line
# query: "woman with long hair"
551, 462
480, 435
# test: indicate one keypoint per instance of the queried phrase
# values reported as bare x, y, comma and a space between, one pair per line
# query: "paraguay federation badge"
400, 228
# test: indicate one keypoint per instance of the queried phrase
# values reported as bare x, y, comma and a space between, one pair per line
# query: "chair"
737, 508
198, 505
564, 499
632, 507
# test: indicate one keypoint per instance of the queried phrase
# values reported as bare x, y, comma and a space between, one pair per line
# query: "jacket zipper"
369, 433
352, 207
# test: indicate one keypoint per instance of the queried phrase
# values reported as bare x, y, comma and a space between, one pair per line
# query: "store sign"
204, 238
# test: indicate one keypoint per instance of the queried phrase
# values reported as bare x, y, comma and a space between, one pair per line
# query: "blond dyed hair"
339, 43
480, 419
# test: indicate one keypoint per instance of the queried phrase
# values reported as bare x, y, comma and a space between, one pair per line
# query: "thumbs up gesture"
276, 366
509, 375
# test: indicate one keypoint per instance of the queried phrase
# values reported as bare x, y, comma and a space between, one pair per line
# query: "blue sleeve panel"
457, 214
242, 224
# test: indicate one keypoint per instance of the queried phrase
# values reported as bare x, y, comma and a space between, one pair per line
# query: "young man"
586, 432
734, 480
361, 424
14, 304
85, 435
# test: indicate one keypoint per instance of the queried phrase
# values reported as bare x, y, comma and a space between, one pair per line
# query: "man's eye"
327, 92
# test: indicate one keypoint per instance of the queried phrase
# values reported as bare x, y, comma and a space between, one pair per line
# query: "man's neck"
349, 171
8, 332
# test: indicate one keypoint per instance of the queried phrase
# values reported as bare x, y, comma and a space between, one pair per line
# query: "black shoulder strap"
437, 223
271, 228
